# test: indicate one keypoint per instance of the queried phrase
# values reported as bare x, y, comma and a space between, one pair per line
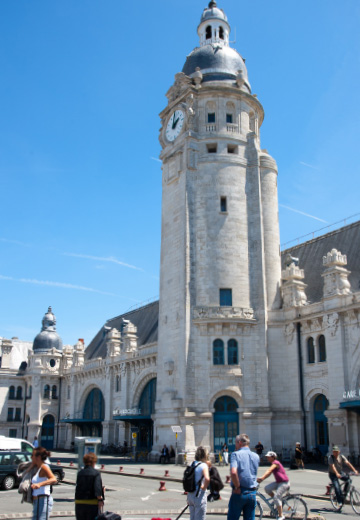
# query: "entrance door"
226, 423
321, 424
47, 432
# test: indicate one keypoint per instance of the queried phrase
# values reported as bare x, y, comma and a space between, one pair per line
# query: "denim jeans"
42, 508
337, 488
244, 503
197, 505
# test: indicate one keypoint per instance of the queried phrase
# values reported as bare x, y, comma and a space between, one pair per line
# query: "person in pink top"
281, 485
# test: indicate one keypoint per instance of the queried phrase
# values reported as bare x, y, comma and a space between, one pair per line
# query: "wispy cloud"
104, 259
17, 242
155, 159
309, 166
303, 213
61, 285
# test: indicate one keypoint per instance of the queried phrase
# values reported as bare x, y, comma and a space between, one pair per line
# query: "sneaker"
281, 517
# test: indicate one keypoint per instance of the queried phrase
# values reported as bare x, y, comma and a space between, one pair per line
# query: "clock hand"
174, 123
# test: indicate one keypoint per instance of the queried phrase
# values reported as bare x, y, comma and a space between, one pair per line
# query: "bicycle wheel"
259, 510
334, 501
355, 500
295, 507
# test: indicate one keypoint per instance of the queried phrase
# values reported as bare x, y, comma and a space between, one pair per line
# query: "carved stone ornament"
289, 331
204, 313
335, 276
182, 83
332, 322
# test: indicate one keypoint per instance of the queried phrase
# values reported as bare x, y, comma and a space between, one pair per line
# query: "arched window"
46, 392
54, 392
221, 33
19, 392
311, 350
94, 408
12, 392
117, 384
218, 352
30, 392
233, 358
148, 398
322, 348
208, 32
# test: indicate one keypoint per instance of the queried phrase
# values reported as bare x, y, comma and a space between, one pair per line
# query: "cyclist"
336, 472
281, 485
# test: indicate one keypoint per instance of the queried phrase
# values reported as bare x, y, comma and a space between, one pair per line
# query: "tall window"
118, 384
29, 392
225, 297
17, 414
311, 350
211, 117
46, 392
68, 391
221, 33
19, 392
12, 392
229, 118
223, 205
208, 32
322, 348
218, 352
233, 352
54, 392
10, 414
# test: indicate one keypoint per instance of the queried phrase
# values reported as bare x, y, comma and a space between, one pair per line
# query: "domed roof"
48, 338
213, 13
216, 62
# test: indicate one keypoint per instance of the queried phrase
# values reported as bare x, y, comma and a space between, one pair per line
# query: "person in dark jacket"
89, 492
216, 484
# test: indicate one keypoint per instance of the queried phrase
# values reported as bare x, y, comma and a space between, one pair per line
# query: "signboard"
134, 435
128, 411
176, 429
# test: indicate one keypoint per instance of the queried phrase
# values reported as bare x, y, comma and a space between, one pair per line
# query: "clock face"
174, 126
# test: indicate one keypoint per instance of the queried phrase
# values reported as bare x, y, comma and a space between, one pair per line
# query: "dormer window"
208, 32
221, 33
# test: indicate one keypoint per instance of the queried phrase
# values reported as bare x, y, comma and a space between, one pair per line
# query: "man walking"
243, 469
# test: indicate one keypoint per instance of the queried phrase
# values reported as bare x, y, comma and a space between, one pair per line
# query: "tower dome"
214, 58
48, 338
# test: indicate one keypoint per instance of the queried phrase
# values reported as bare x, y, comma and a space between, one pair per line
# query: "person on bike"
336, 472
281, 485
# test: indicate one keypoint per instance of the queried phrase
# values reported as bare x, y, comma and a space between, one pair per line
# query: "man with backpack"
243, 469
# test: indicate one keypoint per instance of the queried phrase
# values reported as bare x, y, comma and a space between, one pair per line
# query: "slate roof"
145, 319
310, 254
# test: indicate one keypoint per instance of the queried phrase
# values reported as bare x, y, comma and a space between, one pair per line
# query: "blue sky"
82, 84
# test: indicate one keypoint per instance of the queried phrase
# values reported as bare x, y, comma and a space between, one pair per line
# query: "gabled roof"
310, 254
145, 319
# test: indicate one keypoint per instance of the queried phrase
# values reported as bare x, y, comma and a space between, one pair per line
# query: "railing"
232, 128
210, 128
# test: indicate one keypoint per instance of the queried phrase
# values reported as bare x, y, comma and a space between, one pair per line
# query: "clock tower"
220, 252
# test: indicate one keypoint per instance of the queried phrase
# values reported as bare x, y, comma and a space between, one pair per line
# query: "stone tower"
220, 252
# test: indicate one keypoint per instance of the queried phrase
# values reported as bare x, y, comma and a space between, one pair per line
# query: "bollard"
166, 473
121, 469
162, 486
142, 471
328, 489
71, 463
102, 466
227, 479
58, 463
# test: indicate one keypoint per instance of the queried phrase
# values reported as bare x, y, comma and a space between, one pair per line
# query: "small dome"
48, 338
212, 12
216, 63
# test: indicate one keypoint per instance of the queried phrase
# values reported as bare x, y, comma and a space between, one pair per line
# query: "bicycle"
294, 506
352, 492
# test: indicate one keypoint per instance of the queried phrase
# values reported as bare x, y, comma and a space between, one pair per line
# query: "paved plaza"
137, 496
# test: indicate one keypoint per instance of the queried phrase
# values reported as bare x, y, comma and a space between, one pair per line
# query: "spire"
212, 4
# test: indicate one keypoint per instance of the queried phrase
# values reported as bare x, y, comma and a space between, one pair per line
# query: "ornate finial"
50, 309
212, 4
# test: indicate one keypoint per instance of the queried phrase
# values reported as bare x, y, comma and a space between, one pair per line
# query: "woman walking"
89, 493
40, 485
197, 499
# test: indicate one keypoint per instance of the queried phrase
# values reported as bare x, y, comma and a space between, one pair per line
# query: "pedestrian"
216, 484
164, 455
259, 448
243, 469
89, 491
336, 472
36, 442
197, 499
40, 485
225, 452
299, 456
281, 485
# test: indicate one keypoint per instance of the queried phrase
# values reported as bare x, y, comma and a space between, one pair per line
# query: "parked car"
9, 461
11, 443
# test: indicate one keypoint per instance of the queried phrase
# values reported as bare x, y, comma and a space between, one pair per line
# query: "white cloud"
309, 165
49, 283
104, 259
17, 242
156, 159
303, 213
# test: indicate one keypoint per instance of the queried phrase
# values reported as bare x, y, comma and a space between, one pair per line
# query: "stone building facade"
243, 337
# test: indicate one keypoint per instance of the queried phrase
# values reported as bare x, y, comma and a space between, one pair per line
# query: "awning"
352, 406
133, 418
82, 421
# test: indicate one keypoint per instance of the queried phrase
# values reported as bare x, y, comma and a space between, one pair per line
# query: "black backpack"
189, 483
